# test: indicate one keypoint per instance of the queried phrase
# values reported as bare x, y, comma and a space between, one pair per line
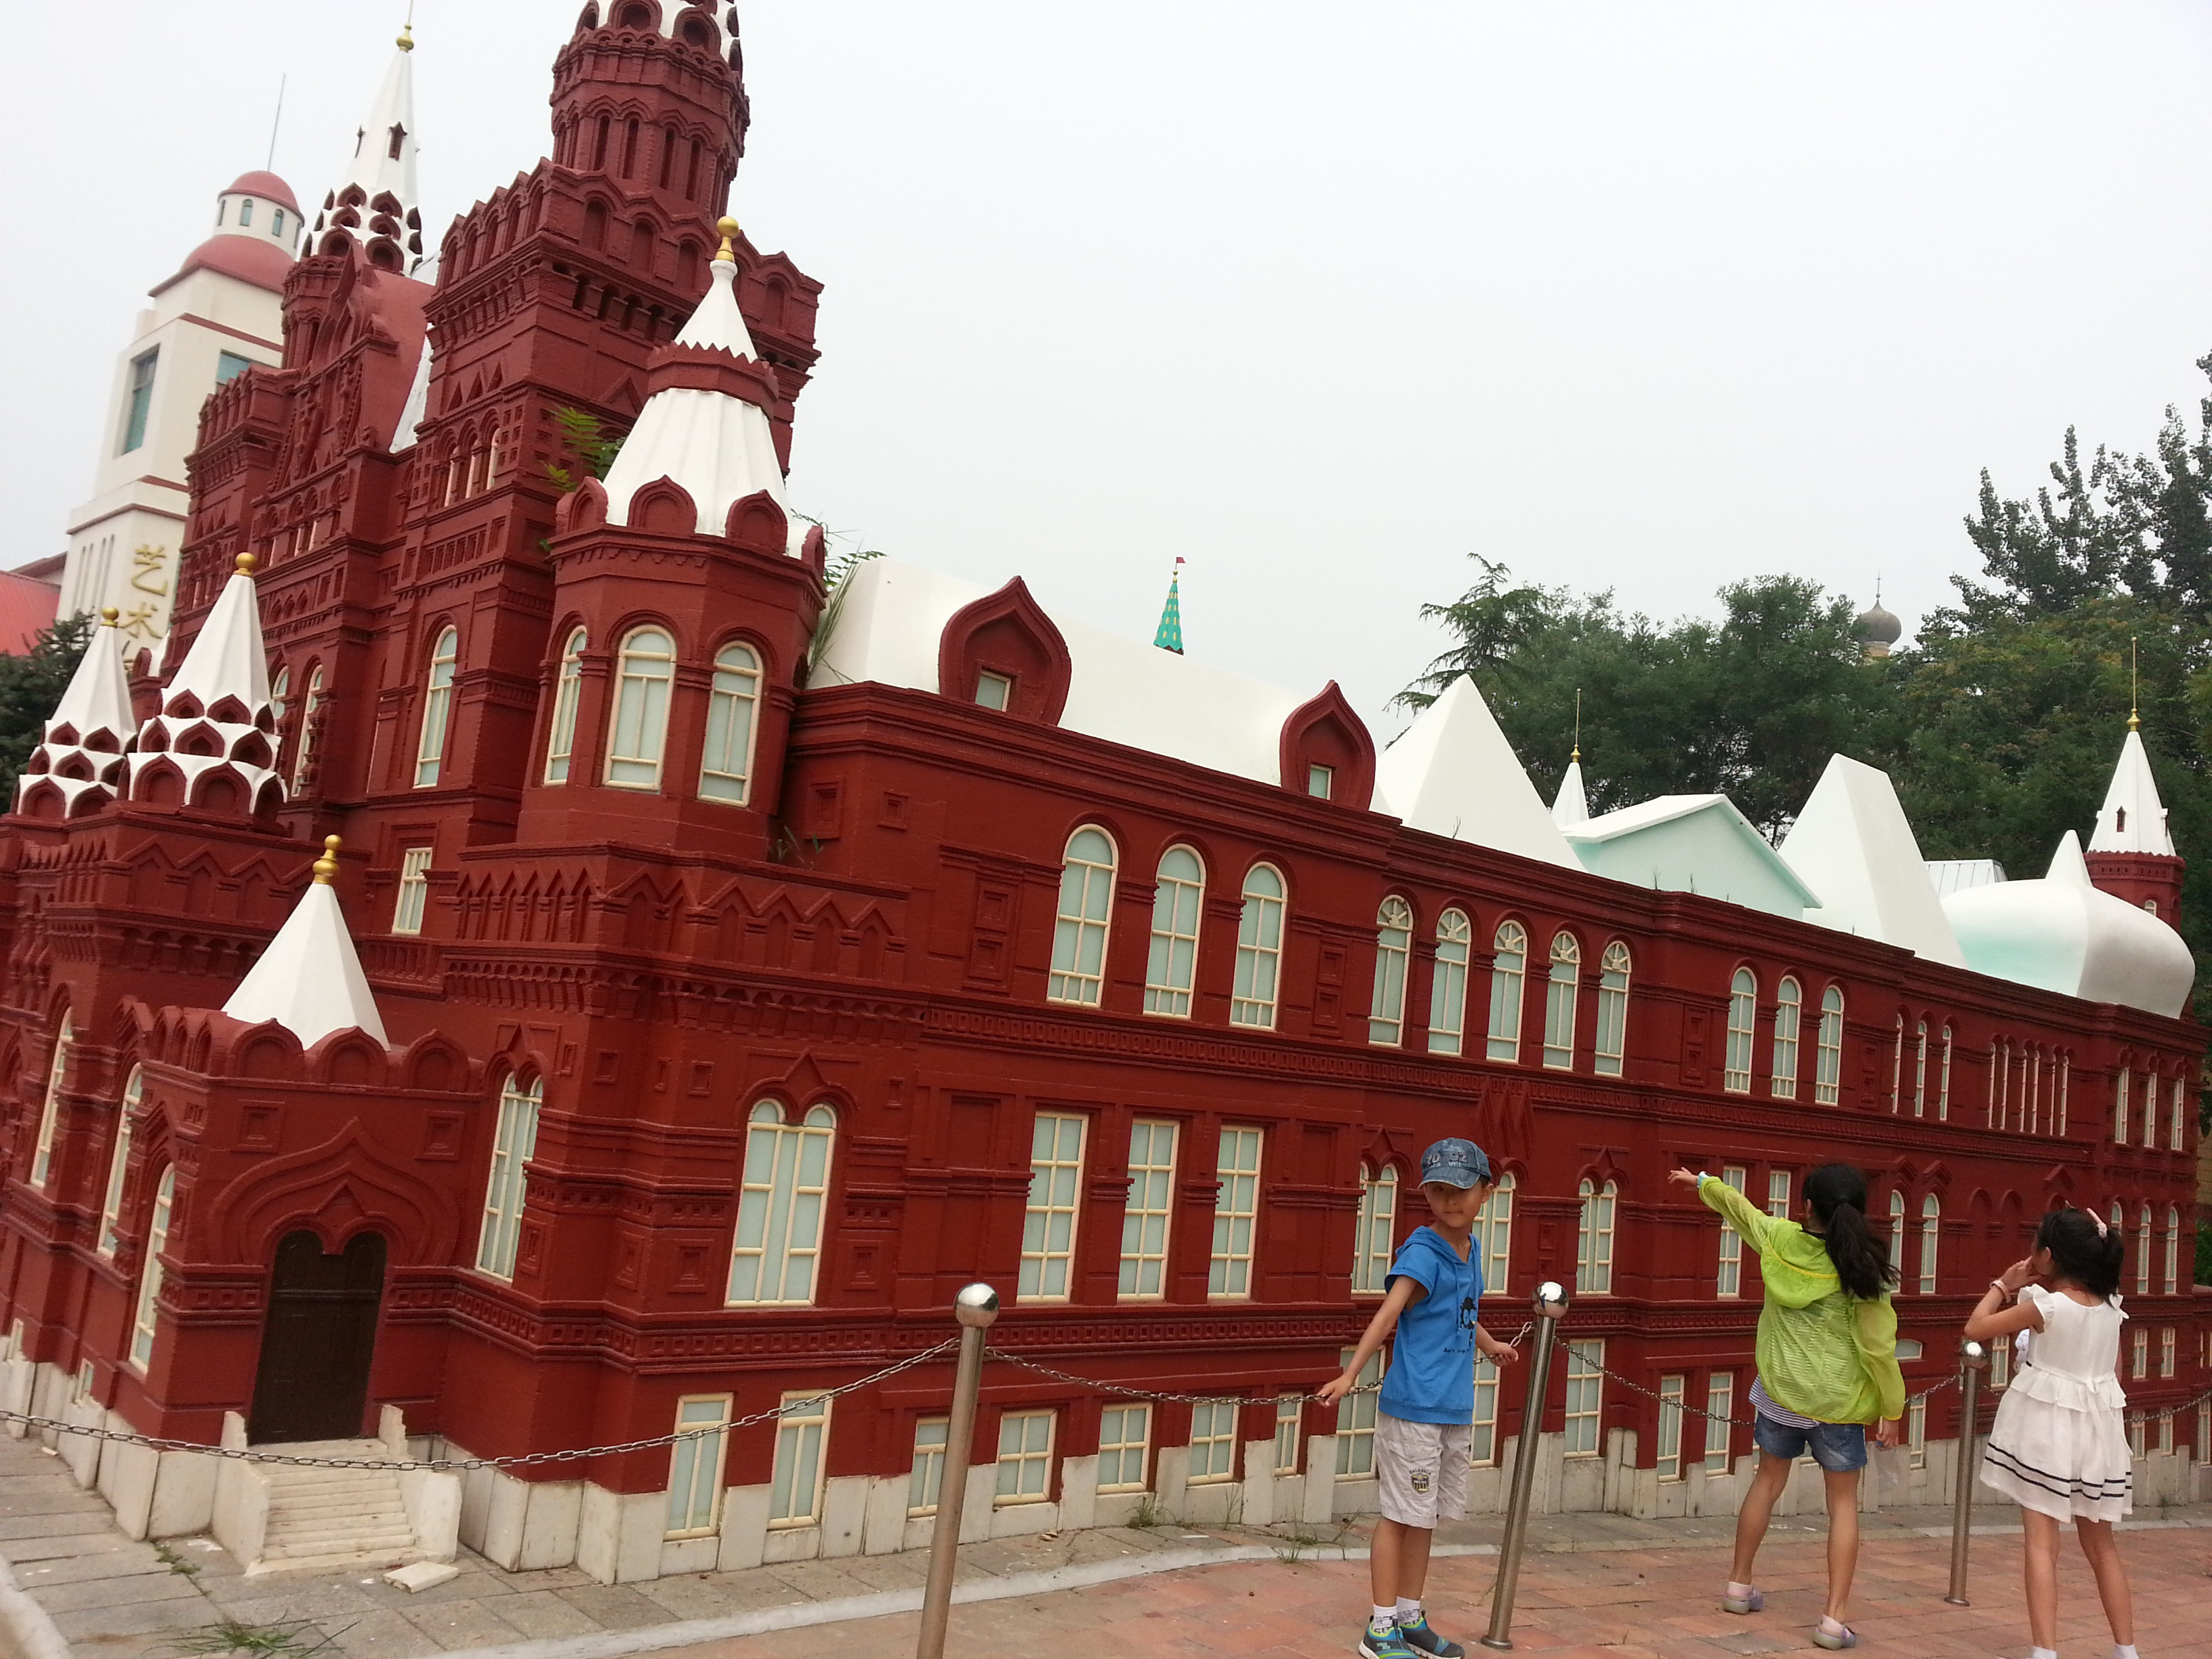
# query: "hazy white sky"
1321, 297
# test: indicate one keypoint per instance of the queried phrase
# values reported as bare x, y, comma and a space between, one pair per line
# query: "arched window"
149, 1275
1259, 948
245, 212
437, 710
311, 712
725, 770
1493, 1235
2178, 1141
1943, 1088
42, 1159
1086, 899
1897, 1228
1743, 1018
276, 224
1378, 1230
1897, 1068
1612, 1010
1920, 1073
512, 1148
781, 1206
2142, 1251
280, 690
1171, 966
1447, 985
1828, 1060
1789, 1002
2120, 1107
111, 1206
1931, 1231
1508, 971
1594, 1244
637, 732
1394, 944
1562, 995
2150, 1111
567, 689
2172, 1249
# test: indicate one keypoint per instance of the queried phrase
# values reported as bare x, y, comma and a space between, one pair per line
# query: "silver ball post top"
976, 1307
1973, 1356
1550, 1300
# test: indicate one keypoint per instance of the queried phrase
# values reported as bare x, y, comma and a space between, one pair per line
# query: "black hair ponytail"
1837, 1193
2083, 1249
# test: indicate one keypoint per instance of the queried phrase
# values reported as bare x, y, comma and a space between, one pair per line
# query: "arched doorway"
313, 1382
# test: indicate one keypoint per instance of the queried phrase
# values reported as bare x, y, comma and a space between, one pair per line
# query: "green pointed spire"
1170, 638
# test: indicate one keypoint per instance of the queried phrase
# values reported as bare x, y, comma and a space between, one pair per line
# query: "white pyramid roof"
373, 166
1853, 846
1570, 806
719, 448
2133, 817
1453, 772
2063, 935
309, 980
98, 698
228, 658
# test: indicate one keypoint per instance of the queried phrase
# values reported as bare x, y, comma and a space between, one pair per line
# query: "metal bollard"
1973, 1360
1550, 1301
976, 1308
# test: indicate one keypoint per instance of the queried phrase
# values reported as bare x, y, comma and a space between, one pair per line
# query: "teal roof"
1691, 844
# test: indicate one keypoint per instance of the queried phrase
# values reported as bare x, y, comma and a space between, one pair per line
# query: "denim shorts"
1839, 1447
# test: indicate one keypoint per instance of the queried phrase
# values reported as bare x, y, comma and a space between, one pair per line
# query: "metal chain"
2154, 1414
248, 1455
1688, 1410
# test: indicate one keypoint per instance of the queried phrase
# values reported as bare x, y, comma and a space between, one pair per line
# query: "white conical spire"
228, 658
1854, 847
375, 197
91, 727
718, 447
2133, 817
309, 980
1453, 772
2068, 866
1570, 806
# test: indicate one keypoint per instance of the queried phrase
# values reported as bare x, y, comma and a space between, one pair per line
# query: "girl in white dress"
2060, 1446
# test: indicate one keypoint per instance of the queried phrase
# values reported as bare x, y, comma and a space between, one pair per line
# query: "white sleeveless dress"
2060, 1441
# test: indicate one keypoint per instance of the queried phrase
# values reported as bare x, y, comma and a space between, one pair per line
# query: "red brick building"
743, 969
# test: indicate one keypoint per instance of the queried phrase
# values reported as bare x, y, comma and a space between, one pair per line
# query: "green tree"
31, 684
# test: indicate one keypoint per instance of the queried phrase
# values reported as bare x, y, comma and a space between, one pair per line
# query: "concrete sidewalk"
111, 1598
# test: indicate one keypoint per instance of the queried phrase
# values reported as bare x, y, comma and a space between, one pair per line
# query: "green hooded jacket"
1822, 1352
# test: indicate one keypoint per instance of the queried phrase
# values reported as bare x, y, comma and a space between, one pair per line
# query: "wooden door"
319, 1338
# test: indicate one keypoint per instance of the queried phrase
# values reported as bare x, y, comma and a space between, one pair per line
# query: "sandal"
1751, 1603
1849, 1638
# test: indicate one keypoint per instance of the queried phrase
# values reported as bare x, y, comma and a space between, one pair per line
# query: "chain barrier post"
1973, 1360
1550, 1301
976, 1307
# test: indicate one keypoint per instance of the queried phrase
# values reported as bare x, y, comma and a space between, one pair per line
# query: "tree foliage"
2000, 726
31, 684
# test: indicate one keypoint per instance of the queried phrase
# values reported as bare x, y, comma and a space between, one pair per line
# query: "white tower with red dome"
220, 310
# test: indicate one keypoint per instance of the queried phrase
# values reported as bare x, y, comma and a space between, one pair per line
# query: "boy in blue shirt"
1427, 1412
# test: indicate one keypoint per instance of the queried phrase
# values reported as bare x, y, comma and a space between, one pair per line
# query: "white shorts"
1422, 1467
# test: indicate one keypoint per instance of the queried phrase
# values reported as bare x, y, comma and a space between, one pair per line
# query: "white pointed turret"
705, 427
1854, 847
309, 980
2133, 817
214, 743
91, 731
1453, 772
375, 199
1570, 806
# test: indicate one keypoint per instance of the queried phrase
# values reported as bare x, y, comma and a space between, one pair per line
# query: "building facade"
723, 965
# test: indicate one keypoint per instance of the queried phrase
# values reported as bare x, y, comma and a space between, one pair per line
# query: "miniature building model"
716, 974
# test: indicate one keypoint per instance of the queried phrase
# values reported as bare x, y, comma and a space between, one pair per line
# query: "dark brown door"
321, 1334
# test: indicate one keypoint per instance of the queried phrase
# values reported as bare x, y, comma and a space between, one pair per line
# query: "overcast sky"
1321, 297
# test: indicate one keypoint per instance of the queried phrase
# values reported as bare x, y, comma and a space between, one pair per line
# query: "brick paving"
1623, 1604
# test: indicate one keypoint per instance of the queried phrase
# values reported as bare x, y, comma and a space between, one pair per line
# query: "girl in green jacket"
1827, 1367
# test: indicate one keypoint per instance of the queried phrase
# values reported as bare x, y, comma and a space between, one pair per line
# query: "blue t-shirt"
1431, 1376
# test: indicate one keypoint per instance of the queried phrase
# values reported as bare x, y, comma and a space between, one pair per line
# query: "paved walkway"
1591, 1582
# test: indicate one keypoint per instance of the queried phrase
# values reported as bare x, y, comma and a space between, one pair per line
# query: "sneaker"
1418, 1637
1388, 1643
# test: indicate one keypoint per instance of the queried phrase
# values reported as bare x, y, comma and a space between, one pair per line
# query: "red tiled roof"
250, 258
26, 604
266, 185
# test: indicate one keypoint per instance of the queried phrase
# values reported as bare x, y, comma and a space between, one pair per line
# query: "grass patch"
294, 1638
1149, 1513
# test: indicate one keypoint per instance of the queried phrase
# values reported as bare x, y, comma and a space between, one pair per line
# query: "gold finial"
109, 616
2135, 715
248, 564
1577, 756
406, 41
728, 227
327, 865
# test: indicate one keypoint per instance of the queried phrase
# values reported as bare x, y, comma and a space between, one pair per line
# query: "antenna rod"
2135, 713
1577, 755
277, 122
